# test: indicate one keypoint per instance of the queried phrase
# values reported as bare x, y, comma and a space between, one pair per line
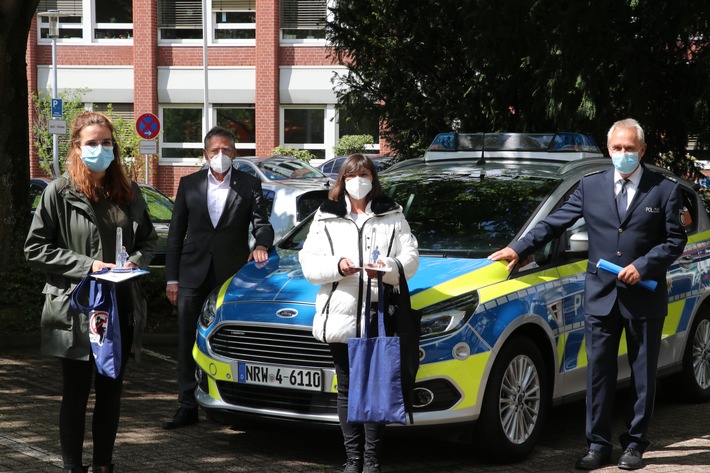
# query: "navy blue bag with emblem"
375, 394
104, 325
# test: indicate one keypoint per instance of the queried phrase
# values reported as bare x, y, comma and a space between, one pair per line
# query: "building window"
114, 19
182, 133
234, 19
240, 120
367, 126
70, 26
303, 19
180, 19
98, 20
304, 128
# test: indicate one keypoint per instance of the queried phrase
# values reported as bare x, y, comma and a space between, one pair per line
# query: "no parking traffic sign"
148, 126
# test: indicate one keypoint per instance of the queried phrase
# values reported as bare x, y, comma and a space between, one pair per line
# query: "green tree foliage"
350, 144
531, 65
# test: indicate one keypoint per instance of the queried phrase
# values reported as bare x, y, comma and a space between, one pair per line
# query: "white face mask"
358, 187
220, 163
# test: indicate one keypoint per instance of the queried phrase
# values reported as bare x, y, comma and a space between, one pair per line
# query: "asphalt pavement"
29, 440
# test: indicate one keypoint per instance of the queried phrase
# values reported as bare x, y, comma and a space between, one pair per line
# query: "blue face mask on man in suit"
625, 163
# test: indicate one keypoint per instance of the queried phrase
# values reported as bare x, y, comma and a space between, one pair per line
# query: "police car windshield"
465, 217
459, 216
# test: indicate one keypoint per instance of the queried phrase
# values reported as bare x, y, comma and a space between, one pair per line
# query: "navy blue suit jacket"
194, 243
650, 237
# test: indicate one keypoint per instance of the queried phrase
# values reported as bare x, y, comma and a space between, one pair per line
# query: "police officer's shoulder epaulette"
594, 172
670, 178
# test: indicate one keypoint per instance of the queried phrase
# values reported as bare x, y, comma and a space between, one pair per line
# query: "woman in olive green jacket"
73, 234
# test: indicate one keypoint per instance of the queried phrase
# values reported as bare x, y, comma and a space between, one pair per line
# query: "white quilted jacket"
333, 236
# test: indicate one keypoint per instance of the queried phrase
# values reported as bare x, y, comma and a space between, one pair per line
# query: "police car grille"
278, 399
274, 345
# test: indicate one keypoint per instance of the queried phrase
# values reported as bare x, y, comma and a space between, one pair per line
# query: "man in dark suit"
207, 243
633, 220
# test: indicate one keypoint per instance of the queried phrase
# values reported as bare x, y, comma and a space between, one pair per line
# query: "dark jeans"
77, 376
190, 302
361, 440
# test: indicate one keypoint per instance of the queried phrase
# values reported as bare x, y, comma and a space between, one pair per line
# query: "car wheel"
693, 382
515, 404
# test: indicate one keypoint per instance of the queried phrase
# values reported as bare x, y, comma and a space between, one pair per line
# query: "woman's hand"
371, 273
99, 265
345, 266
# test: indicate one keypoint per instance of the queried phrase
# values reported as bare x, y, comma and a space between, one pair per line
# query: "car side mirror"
578, 245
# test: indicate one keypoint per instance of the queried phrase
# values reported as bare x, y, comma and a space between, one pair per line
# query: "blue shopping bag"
375, 394
104, 325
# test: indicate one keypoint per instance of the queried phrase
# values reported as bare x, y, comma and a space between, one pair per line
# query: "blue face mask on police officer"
625, 163
97, 158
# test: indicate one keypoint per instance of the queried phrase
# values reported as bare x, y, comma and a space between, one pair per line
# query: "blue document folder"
615, 268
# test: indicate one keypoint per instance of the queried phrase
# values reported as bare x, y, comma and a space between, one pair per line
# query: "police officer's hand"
171, 290
507, 254
99, 265
629, 275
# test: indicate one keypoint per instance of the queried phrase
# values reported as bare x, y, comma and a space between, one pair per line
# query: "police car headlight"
209, 309
449, 315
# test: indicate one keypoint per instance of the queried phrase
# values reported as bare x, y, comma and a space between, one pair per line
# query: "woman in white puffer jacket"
356, 226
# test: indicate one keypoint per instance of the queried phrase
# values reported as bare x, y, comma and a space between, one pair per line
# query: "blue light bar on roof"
552, 146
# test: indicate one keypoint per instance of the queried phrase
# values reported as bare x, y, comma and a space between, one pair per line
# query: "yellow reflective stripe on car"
512, 286
465, 374
561, 343
675, 312
216, 369
460, 285
699, 236
222, 292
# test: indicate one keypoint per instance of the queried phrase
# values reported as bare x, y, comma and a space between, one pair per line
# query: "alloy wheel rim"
701, 354
519, 401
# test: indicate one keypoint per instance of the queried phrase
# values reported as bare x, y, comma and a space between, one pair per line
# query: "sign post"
147, 127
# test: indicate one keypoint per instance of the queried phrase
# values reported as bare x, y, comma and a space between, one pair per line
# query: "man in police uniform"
632, 216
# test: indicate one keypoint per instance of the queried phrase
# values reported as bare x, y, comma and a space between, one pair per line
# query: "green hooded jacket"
64, 241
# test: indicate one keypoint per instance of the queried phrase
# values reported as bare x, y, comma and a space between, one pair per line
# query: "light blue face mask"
97, 158
625, 163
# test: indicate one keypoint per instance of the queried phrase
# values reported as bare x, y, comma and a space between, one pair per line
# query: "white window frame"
305, 41
86, 29
329, 130
232, 6
184, 145
238, 144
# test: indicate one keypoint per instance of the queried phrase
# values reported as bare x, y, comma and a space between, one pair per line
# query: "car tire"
515, 405
692, 384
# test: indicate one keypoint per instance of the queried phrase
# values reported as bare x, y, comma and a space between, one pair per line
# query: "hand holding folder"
616, 269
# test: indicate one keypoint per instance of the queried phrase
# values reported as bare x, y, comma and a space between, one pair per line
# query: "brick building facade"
268, 69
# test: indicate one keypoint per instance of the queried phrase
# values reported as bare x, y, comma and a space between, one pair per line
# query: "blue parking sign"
57, 108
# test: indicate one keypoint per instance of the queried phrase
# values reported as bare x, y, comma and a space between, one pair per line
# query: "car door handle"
685, 262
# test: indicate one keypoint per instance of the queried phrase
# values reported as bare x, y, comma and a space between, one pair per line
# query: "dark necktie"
621, 199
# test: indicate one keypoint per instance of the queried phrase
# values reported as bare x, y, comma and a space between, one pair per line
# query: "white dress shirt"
631, 186
217, 193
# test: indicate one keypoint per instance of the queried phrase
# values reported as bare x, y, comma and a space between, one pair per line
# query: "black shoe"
372, 467
182, 418
353, 465
592, 460
631, 459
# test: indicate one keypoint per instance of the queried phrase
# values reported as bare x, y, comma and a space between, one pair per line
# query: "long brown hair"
354, 164
115, 185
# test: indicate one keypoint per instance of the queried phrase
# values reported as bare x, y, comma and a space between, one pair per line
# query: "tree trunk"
15, 21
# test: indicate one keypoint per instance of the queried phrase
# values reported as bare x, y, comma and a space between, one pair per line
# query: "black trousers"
361, 440
190, 302
77, 377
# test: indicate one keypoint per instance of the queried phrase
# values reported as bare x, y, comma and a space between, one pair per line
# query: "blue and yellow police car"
497, 349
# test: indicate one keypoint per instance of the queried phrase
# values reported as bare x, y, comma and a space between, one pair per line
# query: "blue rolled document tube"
615, 268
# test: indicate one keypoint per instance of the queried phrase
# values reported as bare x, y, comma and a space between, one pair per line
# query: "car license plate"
280, 376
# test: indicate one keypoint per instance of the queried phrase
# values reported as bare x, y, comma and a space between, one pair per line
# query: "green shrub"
302, 154
351, 144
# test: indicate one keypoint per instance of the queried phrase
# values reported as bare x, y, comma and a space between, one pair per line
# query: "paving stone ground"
29, 409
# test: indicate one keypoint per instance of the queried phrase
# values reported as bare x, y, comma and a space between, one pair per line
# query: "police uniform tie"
621, 199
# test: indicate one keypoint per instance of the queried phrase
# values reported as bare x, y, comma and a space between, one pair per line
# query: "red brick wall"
267, 76
217, 56
305, 56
